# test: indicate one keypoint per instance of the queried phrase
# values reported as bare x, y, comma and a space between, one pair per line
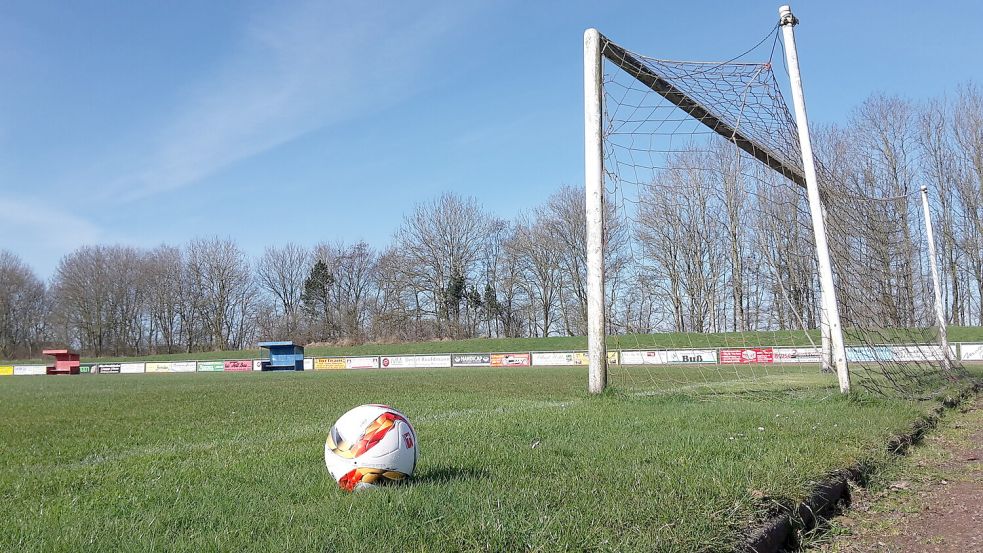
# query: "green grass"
229, 461
665, 340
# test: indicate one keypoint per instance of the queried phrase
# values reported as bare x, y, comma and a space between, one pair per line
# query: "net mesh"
709, 223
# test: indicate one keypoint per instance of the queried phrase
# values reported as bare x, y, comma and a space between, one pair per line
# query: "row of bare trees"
714, 243
452, 271
720, 243
891, 148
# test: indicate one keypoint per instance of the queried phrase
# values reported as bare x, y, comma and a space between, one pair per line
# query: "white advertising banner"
257, 364
669, 357
971, 352
398, 362
917, 353
798, 355
308, 363
690, 356
30, 370
641, 358
552, 358
433, 361
415, 361
131, 368
361, 362
568, 358
184, 366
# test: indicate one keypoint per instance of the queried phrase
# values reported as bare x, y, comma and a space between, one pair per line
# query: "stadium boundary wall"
967, 352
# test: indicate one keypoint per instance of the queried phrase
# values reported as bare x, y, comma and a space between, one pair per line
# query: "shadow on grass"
444, 475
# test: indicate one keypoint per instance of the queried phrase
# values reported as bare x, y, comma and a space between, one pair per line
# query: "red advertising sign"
747, 355
238, 366
510, 360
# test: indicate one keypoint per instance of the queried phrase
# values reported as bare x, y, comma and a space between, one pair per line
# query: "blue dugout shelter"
284, 356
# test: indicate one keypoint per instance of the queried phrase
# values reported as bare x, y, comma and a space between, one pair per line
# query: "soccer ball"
369, 446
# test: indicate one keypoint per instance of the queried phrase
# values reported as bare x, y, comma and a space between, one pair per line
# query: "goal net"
711, 277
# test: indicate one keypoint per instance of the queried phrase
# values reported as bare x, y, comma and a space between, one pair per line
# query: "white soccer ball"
369, 446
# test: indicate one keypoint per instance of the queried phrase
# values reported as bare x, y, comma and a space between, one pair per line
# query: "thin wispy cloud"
293, 72
49, 228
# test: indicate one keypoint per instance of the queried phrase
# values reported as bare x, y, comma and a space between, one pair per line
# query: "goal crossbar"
634, 67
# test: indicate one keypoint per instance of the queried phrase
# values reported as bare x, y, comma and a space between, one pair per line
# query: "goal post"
802, 172
594, 173
832, 323
936, 283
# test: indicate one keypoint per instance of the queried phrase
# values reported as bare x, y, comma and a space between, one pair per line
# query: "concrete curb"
778, 533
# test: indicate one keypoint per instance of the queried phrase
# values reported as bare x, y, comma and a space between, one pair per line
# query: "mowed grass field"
510, 459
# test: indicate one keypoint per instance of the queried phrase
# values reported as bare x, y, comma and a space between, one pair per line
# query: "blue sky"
149, 122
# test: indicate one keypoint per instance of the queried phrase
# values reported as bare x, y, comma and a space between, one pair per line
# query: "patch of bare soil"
932, 501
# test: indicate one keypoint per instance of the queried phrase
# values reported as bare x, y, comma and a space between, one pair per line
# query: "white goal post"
597, 48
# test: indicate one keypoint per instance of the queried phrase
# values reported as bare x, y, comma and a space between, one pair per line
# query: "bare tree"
395, 313
99, 295
22, 308
885, 137
347, 287
940, 168
442, 240
493, 258
219, 273
967, 122
281, 272
537, 246
680, 237
163, 267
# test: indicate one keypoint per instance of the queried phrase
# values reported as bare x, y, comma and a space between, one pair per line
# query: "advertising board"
108, 368
6, 370
510, 359
329, 363
971, 352
241, 365
669, 357
567, 358
558, 359
471, 360
798, 355
158, 367
308, 363
131, 368
862, 354
361, 362
30, 370
213, 366
397, 362
433, 361
927, 352
414, 361
747, 355
184, 367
